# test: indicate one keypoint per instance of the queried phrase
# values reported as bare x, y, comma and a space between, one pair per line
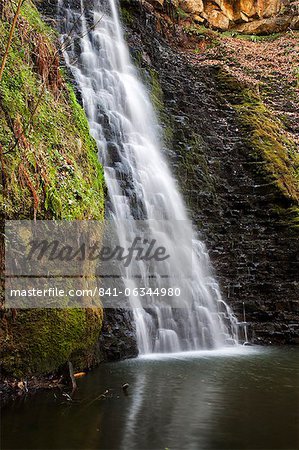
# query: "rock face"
192, 6
254, 253
118, 337
235, 14
249, 8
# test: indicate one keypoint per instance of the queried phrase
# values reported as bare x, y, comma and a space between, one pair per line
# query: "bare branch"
12, 29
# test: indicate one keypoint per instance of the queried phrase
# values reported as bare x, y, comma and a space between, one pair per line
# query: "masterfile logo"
140, 250
90, 264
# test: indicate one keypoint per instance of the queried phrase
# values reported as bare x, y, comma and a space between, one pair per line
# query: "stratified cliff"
229, 106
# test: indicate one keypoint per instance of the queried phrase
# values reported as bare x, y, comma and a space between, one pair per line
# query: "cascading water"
140, 185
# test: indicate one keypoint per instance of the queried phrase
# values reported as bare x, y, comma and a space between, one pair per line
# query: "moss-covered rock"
50, 169
39, 341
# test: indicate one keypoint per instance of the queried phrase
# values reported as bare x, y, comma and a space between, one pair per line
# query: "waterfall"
140, 185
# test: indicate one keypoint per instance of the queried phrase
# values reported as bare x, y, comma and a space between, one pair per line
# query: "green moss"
251, 37
181, 14
126, 16
268, 138
215, 36
157, 99
40, 341
52, 170
211, 37
31, 14
194, 168
156, 90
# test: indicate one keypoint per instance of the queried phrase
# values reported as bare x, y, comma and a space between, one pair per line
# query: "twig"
12, 29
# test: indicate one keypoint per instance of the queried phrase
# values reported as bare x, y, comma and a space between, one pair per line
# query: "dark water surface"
245, 398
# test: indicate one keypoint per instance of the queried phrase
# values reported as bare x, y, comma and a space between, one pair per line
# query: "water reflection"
245, 400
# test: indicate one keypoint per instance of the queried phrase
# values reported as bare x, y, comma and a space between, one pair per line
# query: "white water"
140, 185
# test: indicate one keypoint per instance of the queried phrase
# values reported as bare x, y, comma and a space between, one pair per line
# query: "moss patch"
50, 160
268, 138
50, 169
157, 99
38, 341
126, 16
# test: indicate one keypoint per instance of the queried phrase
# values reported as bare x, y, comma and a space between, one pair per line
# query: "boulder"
248, 7
270, 25
213, 14
229, 8
268, 8
192, 6
218, 20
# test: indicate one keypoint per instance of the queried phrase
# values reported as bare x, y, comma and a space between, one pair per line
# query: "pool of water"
238, 398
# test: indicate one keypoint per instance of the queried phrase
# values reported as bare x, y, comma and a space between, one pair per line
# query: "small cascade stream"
140, 186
